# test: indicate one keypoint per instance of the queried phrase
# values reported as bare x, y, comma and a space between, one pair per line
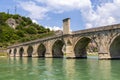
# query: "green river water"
58, 69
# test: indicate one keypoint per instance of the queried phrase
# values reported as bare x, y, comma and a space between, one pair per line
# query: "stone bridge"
72, 44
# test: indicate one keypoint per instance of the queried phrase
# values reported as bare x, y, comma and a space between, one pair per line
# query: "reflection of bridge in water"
72, 44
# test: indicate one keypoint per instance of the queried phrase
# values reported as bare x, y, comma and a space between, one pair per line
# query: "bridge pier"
25, 51
17, 52
69, 52
104, 56
103, 49
35, 53
48, 53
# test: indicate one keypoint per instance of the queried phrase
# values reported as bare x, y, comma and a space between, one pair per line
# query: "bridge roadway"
73, 45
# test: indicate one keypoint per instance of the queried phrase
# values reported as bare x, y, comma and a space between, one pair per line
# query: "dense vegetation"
25, 30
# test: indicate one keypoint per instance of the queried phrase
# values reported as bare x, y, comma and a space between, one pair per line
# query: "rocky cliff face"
12, 23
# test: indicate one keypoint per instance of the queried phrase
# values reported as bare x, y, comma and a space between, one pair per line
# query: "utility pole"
15, 9
7, 11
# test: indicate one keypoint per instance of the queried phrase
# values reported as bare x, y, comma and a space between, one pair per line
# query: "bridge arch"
57, 49
80, 47
41, 50
21, 51
114, 48
30, 51
15, 51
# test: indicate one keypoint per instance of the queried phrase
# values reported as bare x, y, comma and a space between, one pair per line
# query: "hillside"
17, 29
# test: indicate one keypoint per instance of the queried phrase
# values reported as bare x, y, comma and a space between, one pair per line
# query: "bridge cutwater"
72, 44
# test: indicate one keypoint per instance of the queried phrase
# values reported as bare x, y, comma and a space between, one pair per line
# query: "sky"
84, 14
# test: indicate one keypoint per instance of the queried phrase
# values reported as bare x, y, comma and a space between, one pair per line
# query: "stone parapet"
104, 28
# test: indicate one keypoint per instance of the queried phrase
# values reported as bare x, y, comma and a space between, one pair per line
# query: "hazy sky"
50, 13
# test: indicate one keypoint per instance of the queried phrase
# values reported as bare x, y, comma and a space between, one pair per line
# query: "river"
58, 69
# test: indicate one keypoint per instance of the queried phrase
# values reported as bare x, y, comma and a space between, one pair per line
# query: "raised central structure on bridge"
72, 44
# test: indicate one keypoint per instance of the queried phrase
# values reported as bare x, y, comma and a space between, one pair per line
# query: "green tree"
16, 16
7, 33
27, 20
19, 27
31, 30
20, 33
4, 16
